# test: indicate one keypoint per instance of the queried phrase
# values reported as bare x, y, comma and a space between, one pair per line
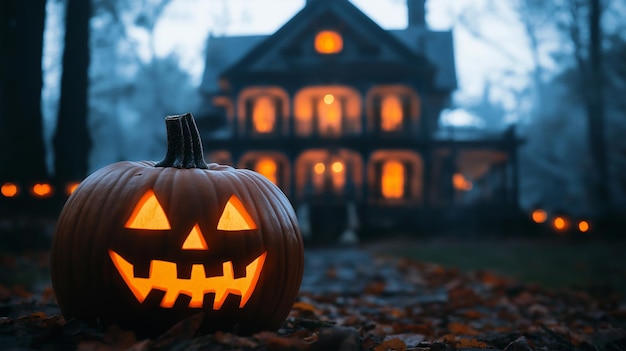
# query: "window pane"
267, 167
392, 180
264, 114
329, 108
328, 42
391, 113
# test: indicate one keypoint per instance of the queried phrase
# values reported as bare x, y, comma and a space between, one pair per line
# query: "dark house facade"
343, 116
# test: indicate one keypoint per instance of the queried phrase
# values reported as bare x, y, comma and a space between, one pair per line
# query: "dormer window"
328, 42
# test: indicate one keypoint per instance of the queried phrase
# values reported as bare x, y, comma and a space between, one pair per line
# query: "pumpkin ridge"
263, 186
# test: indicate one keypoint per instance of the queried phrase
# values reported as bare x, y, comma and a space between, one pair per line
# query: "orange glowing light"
329, 99
9, 190
267, 167
328, 42
392, 180
337, 167
163, 276
391, 113
539, 216
148, 214
583, 226
460, 183
264, 114
42, 190
559, 223
195, 240
319, 168
330, 115
235, 217
71, 187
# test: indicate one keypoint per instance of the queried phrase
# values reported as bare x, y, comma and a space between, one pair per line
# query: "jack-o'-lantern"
144, 245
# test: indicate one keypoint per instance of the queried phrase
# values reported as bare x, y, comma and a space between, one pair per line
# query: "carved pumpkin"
144, 245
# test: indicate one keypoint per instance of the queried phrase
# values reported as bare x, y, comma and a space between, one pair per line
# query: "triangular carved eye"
148, 214
235, 216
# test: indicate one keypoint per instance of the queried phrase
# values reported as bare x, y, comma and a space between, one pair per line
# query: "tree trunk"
22, 154
595, 106
72, 140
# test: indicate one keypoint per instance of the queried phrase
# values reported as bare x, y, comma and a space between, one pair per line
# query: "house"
343, 116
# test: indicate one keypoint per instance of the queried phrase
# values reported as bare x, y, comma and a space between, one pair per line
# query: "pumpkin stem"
184, 147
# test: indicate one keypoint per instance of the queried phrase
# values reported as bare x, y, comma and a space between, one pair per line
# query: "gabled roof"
221, 52
417, 47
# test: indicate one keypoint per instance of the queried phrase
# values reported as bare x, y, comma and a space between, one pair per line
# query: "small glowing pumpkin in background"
144, 245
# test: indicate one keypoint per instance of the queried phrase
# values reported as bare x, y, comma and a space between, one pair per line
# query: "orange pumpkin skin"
94, 223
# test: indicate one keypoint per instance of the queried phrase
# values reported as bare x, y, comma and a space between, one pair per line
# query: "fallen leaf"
391, 344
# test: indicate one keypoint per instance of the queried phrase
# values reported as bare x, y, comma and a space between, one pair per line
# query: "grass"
551, 263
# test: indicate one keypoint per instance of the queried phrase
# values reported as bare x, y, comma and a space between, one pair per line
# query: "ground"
401, 294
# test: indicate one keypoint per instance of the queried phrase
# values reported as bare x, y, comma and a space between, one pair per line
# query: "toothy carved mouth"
163, 277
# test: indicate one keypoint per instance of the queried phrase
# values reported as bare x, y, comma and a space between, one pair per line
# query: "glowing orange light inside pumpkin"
195, 240
9, 190
42, 190
583, 226
267, 167
148, 214
539, 216
392, 180
559, 223
264, 114
329, 99
235, 216
319, 168
460, 183
391, 113
163, 276
337, 166
328, 42
71, 187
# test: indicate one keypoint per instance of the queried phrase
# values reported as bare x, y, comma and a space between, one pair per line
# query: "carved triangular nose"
195, 240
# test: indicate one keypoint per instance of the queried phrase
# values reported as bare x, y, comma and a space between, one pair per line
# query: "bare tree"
22, 156
72, 140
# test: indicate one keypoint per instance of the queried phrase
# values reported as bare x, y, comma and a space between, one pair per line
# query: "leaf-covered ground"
352, 299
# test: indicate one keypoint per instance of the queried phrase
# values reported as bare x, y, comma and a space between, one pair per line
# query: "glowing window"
392, 180
329, 115
338, 175
267, 167
319, 173
264, 114
391, 113
328, 42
